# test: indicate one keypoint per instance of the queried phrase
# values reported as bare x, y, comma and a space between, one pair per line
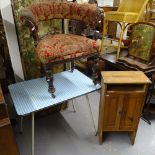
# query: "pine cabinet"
121, 103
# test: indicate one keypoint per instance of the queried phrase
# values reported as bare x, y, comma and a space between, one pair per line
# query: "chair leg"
94, 68
103, 35
120, 40
72, 66
73, 106
49, 79
42, 71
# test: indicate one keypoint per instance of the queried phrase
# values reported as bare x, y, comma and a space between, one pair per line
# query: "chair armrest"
28, 19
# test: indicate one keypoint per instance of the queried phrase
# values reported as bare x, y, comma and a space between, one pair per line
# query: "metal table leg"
32, 151
145, 113
91, 113
73, 106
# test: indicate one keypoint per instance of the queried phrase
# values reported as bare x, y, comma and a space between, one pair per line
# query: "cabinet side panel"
101, 109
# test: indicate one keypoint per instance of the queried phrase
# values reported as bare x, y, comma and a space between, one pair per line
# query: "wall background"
105, 2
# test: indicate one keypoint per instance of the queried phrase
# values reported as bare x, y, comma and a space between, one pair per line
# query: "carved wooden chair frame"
31, 20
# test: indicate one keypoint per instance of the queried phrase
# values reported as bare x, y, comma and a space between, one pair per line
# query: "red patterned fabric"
88, 13
58, 47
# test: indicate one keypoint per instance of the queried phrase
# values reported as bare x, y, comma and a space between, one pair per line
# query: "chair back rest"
88, 13
136, 6
142, 41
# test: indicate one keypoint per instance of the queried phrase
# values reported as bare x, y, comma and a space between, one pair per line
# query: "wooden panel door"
112, 111
132, 108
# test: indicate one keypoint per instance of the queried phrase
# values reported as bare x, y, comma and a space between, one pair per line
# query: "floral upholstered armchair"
60, 48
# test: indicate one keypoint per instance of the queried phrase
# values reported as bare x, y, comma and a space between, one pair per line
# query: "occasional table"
31, 96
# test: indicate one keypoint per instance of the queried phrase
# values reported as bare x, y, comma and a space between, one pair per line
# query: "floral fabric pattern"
58, 47
53, 48
88, 13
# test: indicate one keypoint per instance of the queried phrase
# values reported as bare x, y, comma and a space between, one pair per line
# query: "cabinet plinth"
121, 102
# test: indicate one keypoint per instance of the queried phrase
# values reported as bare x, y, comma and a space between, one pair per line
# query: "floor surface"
72, 133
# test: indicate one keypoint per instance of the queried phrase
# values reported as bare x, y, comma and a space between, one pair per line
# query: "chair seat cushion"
58, 47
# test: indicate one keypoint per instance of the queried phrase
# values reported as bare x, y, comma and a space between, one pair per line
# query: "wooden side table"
7, 141
121, 102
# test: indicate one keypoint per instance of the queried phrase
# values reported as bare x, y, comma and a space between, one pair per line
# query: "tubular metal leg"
91, 113
73, 106
32, 151
21, 124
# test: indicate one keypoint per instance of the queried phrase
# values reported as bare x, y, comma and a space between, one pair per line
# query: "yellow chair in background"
129, 12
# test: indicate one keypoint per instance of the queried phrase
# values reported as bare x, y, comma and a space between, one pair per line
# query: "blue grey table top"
32, 95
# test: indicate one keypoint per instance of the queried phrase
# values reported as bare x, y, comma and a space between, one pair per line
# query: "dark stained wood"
141, 48
7, 140
112, 64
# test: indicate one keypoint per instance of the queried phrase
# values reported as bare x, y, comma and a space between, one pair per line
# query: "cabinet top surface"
124, 77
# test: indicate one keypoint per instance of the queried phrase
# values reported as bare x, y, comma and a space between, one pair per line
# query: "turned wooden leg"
49, 79
64, 67
42, 70
72, 66
94, 68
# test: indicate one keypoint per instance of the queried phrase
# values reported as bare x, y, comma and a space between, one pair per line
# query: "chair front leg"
49, 79
72, 66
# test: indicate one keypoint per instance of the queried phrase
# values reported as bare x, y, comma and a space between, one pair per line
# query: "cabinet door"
132, 108
112, 109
